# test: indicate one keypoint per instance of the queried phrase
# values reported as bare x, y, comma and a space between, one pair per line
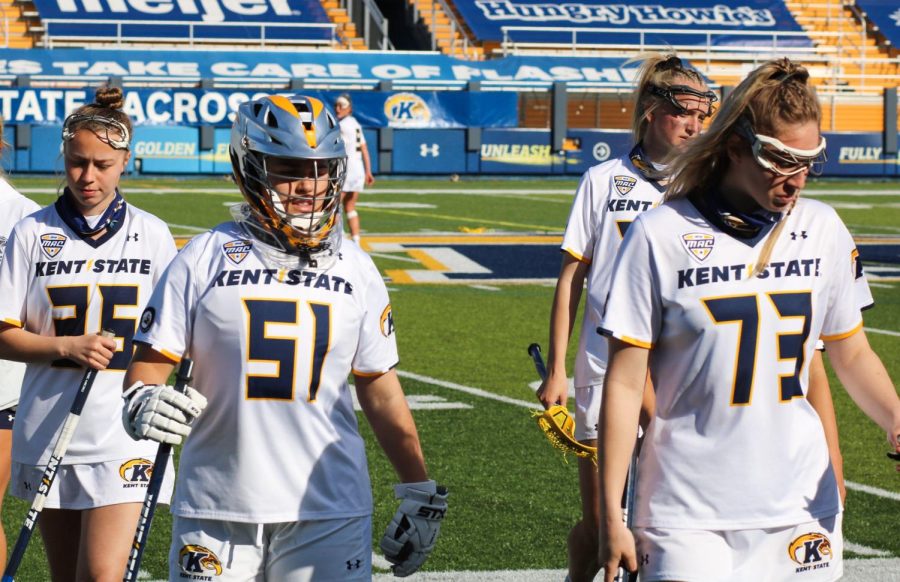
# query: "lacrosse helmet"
279, 140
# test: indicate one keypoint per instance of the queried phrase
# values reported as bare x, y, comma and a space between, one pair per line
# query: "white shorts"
587, 411
332, 550
355, 180
90, 485
808, 552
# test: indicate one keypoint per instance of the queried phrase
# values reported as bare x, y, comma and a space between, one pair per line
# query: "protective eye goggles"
671, 93
117, 143
784, 160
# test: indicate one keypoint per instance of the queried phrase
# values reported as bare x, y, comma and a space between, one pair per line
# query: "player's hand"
370, 179
554, 390
414, 529
617, 550
160, 413
91, 351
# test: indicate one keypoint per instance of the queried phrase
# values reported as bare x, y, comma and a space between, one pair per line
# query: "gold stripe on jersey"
635, 342
12, 322
577, 257
840, 336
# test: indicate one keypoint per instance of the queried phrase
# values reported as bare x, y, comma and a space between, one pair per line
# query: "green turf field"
467, 375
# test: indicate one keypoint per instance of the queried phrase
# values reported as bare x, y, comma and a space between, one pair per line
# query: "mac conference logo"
624, 184
237, 250
698, 244
811, 551
407, 110
52, 244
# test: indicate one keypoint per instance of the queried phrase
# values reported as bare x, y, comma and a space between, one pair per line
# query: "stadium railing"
185, 33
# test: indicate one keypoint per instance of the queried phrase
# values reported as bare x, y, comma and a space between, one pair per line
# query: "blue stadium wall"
177, 150
468, 129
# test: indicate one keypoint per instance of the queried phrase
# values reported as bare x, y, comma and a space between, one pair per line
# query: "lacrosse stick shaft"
151, 498
56, 457
534, 350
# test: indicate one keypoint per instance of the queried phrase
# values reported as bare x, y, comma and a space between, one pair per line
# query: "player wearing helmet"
273, 481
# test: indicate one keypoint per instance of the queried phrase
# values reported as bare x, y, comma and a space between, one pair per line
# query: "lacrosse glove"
414, 529
160, 413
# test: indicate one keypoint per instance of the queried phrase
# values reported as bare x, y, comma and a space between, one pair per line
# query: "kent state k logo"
197, 560
811, 551
136, 472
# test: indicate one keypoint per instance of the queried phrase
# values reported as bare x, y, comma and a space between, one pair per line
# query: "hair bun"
110, 97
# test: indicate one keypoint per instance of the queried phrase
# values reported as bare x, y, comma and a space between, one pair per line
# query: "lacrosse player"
721, 292
671, 103
13, 207
359, 165
275, 313
87, 262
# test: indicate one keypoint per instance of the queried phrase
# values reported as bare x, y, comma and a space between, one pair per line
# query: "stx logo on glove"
431, 512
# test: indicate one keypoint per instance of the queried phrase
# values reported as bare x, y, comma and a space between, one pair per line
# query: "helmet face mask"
289, 162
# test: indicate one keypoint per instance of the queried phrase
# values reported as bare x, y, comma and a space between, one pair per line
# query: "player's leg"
61, 532
330, 550
583, 540
349, 200
106, 534
6, 422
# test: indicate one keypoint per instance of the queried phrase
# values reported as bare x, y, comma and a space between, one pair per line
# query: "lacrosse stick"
558, 425
556, 422
56, 457
142, 533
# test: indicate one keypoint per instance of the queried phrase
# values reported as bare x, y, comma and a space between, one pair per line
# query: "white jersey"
354, 140
272, 348
13, 207
56, 283
610, 196
734, 443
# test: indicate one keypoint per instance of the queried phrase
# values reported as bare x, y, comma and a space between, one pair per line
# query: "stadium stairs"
347, 34
448, 30
20, 24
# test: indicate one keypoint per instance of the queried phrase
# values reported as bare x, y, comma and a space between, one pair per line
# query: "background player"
275, 312
359, 166
671, 103
87, 262
13, 207
734, 478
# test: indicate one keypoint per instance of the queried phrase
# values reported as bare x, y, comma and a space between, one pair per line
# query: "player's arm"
819, 396
569, 286
411, 535
623, 390
866, 380
384, 404
367, 163
91, 350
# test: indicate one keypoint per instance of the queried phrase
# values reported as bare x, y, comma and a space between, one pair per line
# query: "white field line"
860, 570
882, 331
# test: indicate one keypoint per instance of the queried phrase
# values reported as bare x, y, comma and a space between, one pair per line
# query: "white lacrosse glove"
160, 413
414, 529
